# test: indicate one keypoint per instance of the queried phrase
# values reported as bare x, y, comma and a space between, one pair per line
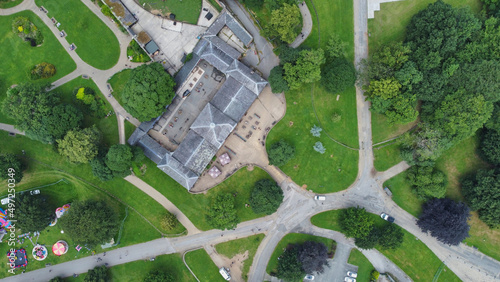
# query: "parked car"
349, 279
5, 201
352, 274
35, 192
387, 217
319, 198
309, 277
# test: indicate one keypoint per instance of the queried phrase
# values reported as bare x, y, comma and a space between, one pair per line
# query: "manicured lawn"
240, 246
386, 156
382, 130
195, 206
413, 257
295, 238
9, 4
96, 44
203, 266
18, 57
364, 266
107, 125
185, 10
117, 82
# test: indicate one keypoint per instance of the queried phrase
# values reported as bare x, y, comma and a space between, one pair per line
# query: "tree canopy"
119, 158
80, 146
97, 274
148, 91
280, 153
266, 196
33, 212
289, 266
339, 75
355, 222
101, 170
63, 118
313, 256
490, 146
306, 69
446, 220
90, 222
427, 181
158, 276
277, 81
8, 161
222, 213
482, 193
285, 23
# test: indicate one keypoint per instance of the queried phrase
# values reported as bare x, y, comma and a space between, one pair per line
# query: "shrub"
375, 274
316, 131
42, 70
27, 31
168, 221
266, 196
318, 147
280, 153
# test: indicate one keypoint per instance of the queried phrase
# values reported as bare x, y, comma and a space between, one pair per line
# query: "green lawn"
382, 130
185, 10
96, 44
9, 3
413, 257
295, 238
203, 266
364, 266
387, 156
129, 129
240, 246
194, 206
108, 125
18, 56
117, 82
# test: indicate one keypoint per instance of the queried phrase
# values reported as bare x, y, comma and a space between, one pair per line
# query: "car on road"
387, 217
349, 279
319, 198
352, 274
35, 192
309, 277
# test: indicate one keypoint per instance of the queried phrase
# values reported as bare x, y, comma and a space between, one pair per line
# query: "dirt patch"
250, 167
290, 123
235, 265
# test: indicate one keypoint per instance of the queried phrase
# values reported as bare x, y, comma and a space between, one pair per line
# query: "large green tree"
148, 91
355, 222
63, 118
222, 213
306, 69
482, 192
490, 146
119, 158
101, 170
33, 212
289, 266
80, 146
266, 196
90, 222
285, 23
338, 75
277, 81
97, 274
280, 153
427, 181
11, 167
480, 78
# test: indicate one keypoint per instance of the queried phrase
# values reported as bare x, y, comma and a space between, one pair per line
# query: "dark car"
387, 217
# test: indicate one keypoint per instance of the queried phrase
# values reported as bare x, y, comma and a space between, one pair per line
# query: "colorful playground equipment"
17, 258
4, 220
39, 252
53, 222
62, 210
60, 248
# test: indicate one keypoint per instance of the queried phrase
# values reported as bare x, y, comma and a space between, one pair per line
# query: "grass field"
364, 266
18, 56
117, 82
129, 129
185, 10
96, 44
387, 156
107, 125
195, 206
382, 130
295, 238
203, 266
413, 257
240, 246
9, 3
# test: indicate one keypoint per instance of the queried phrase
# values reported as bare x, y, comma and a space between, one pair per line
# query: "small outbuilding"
151, 47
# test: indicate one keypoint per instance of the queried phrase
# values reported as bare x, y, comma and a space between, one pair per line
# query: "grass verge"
185, 11
117, 82
203, 266
387, 156
240, 246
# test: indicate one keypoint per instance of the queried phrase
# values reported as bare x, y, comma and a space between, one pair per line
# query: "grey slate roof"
226, 19
178, 172
246, 76
233, 99
213, 125
152, 149
194, 152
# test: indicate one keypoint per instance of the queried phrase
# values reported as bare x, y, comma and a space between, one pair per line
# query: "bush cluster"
27, 31
42, 70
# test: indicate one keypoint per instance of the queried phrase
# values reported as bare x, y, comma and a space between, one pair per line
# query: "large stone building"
214, 91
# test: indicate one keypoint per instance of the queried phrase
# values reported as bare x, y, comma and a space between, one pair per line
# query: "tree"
289, 54
482, 193
97, 274
158, 276
169, 221
289, 266
277, 81
119, 158
424, 145
27, 104
280, 153
222, 214
339, 75
494, 122
384, 88
101, 170
56, 279
285, 23
446, 220
266, 196
490, 146
10, 161
481, 77
90, 222
385, 62
80, 146
427, 181
33, 212
408, 75
369, 241
306, 69
318, 147
400, 109
335, 47
64, 117
148, 91
355, 222
313, 256
316, 131
391, 237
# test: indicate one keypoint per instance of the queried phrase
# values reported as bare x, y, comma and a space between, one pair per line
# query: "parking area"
338, 266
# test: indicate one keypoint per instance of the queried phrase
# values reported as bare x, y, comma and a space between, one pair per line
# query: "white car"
5, 201
349, 279
35, 192
319, 198
309, 277
352, 274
